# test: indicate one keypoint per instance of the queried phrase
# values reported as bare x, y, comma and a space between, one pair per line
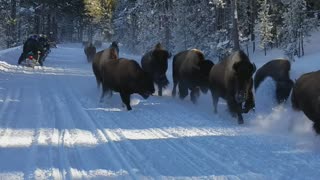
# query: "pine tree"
296, 26
265, 26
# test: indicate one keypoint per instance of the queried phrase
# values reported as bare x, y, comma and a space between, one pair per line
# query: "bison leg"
249, 104
235, 108
215, 99
195, 93
159, 90
240, 118
183, 90
125, 97
174, 89
104, 89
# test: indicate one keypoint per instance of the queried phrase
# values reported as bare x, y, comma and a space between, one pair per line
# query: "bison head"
283, 89
243, 71
146, 87
205, 67
160, 64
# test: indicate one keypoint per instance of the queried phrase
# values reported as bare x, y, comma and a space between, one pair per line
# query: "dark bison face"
160, 65
205, 67
243, 80
146, 87
283, 89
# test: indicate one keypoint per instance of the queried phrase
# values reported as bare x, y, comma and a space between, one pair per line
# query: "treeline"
214, 26
211, 26
67, 20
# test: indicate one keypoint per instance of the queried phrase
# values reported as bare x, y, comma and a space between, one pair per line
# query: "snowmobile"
32, 61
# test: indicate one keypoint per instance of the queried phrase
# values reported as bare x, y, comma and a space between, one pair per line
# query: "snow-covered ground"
52, 126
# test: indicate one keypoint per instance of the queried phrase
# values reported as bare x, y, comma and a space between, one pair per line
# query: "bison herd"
232, 79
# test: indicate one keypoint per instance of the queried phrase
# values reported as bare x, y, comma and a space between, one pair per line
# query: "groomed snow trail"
52, 126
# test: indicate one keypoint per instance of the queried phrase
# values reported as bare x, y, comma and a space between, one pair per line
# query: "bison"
114, 45
90, 51
231, 79
190, 71
99, 57
306, 97
126, 77
155, 62
278, 70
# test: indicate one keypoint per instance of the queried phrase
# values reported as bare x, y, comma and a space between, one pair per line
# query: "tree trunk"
81, 30
252, 23
302, 46
167, 23
236, 41
13, 24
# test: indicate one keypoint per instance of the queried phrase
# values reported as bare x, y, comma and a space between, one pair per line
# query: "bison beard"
190, 72
231, 79
278, 70
126, 77
155, 63
306, 97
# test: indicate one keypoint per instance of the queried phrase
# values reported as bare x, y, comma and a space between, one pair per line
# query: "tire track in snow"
186, 152
194, 149
105, 136
30, 160
62, 117
8, 116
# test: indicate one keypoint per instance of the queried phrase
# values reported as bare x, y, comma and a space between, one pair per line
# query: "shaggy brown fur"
126, 77
306, 97
101, 56
278, 70
155, 62
231, 79
190, 71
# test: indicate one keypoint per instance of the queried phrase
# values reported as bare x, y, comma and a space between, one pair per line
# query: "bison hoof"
240, 121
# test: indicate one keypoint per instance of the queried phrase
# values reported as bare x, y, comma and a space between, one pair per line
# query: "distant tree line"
214, 26
67, 20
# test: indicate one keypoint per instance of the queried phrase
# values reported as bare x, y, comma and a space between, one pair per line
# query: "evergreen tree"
265, 26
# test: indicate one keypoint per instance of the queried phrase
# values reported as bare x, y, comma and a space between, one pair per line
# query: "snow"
53, 126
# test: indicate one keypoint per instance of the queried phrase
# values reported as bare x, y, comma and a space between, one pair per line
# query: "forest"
214, 26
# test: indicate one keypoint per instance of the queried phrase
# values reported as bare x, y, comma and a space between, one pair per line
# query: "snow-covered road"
52, 126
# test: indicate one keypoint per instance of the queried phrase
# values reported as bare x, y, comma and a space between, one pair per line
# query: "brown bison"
155, 62
190, 71
278, 70
306, 97
90, 51
231, 79
99, 57
126, 77
114, 45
